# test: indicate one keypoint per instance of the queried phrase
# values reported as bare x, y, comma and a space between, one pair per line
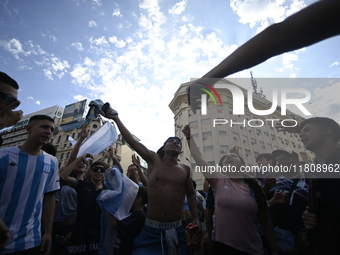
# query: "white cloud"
262, 13
78, 46
79, 97
92, 23
37, 102
97, 2
178, 8
53, 38
336, 63
101, 41
54, 66
118, 43
14, 46
30, 98
116, 12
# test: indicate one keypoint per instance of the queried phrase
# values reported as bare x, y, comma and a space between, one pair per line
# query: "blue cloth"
108, 236
120, 194
152, 241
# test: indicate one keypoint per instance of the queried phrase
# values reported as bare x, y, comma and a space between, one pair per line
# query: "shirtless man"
168, 183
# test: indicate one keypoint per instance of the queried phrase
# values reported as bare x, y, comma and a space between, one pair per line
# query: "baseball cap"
288, 151
160, 151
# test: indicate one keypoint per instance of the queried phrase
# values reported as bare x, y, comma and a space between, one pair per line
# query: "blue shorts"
152, 239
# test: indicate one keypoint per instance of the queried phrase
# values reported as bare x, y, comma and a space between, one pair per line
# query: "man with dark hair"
266, 159
86, 233
28, 180
50, 149
320, 135
168, 183
8, 102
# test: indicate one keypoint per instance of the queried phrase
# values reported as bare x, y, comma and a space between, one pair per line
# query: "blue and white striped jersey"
24, 179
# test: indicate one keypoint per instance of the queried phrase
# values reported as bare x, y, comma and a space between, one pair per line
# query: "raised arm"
137, 146
136, 162
197, 155
83, 134
65, 174
115, 161
312, 24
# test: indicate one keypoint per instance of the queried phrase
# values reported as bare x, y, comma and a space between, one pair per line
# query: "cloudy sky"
136, 53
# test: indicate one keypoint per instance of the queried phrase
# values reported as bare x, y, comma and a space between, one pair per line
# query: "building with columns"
252, 134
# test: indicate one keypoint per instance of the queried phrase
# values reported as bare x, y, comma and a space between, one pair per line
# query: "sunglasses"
6, 99
96, 169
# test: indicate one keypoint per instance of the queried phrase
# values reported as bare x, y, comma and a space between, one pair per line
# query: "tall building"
219, 129
16, 135
70, 127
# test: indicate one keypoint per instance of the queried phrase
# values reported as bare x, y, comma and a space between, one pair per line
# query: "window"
219, 109
59, 138
236, 136
61, 156
205, 122
68, 155
230, 110
208, 148
253, 141
222, 133
248, 153
224, 148
94, 126
206, 135
265, 133
193, 125
262, 144
66, 138
244, 139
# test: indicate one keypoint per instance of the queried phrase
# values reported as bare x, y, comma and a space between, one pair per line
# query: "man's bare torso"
166, 190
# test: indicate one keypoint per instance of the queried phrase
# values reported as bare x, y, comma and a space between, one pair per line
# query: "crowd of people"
46, 210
